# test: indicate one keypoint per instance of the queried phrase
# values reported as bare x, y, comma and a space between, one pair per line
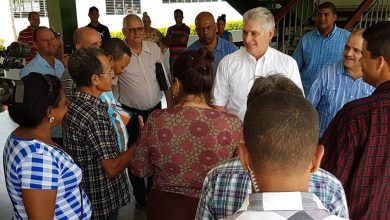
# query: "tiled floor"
6, 211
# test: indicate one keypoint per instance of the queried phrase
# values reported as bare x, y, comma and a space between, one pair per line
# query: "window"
189, 1
23, 7
123, 7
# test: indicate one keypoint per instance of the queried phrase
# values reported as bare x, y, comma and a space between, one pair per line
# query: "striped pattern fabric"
357, 151
333, 88
315, 51
31, 164
116, 119
227, 185
284, 206
25, 36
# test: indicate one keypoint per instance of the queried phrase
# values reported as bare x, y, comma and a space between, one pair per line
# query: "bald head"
86, 37
206, 28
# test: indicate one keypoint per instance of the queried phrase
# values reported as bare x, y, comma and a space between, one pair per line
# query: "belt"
148, 111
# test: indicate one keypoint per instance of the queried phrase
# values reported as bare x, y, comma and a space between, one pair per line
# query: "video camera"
12, 58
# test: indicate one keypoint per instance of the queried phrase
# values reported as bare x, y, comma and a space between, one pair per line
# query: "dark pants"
139, 190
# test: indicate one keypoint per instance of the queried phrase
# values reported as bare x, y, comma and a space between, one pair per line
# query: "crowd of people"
238, 139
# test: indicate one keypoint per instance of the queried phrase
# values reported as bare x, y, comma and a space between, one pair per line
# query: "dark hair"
194, 69
281, 131
116, 48
377, 37
328, 5
92, 9
35, 32
83, 63
222, 18
178, 11
264, 85
40, 92
31, 13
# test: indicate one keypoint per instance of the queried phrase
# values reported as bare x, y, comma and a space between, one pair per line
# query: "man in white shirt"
237, 71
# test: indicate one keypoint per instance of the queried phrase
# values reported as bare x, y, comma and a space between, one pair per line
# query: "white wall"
160, 14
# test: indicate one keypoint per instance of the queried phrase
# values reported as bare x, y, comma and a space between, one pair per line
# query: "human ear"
317, 157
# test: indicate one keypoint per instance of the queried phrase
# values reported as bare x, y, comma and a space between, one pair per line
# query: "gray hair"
268, 84
261, 13
128, 17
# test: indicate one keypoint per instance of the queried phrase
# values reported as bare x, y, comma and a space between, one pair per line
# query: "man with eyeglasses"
320, 47
206, 30
139, 91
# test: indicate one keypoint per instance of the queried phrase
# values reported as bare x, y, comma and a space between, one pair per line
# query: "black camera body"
10, 59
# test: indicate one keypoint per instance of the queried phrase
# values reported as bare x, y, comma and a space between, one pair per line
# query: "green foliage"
230, 25
2, 47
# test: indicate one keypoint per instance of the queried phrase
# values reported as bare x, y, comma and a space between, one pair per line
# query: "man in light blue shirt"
206, 30
320, 47
340, 82
45, 61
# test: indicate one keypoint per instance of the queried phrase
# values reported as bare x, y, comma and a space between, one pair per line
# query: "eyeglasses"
138, 29
110, 73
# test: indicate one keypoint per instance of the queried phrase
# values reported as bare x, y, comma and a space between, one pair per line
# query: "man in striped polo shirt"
26, 35
340, 82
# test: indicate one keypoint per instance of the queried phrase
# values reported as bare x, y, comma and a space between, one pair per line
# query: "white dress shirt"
236, 74
138, 86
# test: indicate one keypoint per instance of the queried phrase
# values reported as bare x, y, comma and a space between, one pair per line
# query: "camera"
12, 58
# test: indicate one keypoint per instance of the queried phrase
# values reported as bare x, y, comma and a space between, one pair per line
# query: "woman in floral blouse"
153, 34
179, 145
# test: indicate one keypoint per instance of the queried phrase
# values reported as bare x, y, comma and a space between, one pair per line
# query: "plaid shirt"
227, 185
89, 138
284, 205
357, 151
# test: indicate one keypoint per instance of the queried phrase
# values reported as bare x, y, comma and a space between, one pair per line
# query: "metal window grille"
23, 7
123, 7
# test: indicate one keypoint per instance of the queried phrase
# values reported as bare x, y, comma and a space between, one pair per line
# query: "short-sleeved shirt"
32, 164
40, 65
227, 185
315, 51
175, 34
89, 137
178, 146
102, 29
357, 151
333, 88
138, 85
237, 72
222, 49
116, 119
25, 36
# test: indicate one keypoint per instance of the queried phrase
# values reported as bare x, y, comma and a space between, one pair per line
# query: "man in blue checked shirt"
321, 46
340, 82
227, 185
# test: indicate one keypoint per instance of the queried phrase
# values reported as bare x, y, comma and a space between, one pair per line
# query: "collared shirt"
25, 36
222, 49
138, 86
314, 51
116, 119
32, 164
102, 29
332, 89
227, 185
40, 65
284, 206
89, 137
357, 151
237, 72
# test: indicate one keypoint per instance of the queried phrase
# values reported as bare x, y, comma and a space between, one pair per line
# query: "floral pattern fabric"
157, 37
178, 146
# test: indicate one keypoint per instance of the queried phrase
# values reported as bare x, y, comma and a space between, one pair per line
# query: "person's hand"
141, 123
3, 108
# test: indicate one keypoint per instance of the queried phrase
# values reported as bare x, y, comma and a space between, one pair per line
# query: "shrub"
230, 25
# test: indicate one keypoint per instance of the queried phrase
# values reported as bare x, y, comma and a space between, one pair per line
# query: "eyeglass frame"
138, 29
110, 73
